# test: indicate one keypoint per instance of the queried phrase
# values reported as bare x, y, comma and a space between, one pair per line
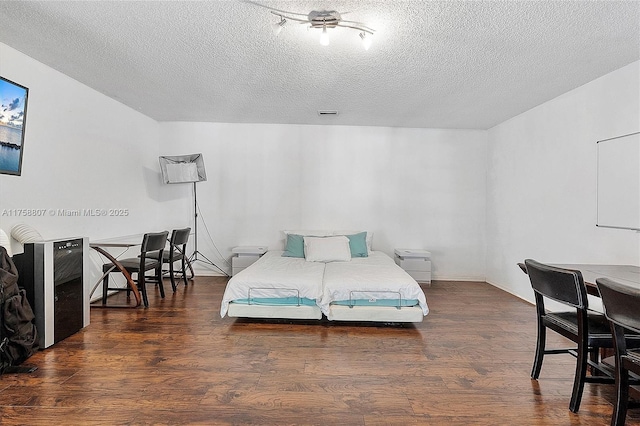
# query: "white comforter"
275, 276
373, 277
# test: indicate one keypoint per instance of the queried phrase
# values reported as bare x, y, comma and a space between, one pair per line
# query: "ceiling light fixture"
325, 19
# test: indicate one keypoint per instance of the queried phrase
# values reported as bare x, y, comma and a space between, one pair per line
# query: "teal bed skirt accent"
279, 301
293, 301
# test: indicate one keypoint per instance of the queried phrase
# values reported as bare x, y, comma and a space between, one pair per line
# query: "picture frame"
13, 118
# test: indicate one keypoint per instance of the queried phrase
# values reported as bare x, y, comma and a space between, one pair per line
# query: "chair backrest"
180, 237
154, 241
621, 303
559, 284
522, 267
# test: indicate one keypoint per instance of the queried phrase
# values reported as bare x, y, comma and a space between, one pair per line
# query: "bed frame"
375, 313
242, 301
351, 312
241, 310
336, 312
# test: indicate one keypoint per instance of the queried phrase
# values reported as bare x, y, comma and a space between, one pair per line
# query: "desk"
624, 274
120, 242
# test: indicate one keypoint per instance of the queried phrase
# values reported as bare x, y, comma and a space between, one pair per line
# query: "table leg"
130, 283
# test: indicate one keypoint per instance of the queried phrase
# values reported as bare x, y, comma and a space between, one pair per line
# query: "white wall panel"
412, 187
82, 150
83, 153
541, 187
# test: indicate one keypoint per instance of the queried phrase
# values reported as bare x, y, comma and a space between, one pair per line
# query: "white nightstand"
244, 256
416, 262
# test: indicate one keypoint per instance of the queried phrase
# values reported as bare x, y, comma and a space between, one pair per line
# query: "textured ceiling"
449, 64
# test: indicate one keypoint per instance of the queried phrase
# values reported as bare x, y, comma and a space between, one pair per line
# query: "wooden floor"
178, 362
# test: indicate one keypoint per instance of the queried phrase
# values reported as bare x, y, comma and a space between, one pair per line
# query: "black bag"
18, 334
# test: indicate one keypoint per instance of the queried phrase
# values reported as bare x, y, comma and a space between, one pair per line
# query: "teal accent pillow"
358, 245
294, 246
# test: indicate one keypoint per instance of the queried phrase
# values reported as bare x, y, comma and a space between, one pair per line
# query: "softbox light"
182, 168
188, 169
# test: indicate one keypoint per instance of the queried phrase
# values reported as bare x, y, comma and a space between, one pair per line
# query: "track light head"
324, 37
277, 27
366, 40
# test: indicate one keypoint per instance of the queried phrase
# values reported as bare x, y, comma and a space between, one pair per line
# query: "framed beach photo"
13, 116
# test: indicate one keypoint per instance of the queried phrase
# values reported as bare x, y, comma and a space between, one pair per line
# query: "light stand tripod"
194, 256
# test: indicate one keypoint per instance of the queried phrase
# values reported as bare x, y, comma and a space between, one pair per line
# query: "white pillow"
4, 242
327, 249
306, 233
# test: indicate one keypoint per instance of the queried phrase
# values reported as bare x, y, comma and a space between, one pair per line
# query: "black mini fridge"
54, 275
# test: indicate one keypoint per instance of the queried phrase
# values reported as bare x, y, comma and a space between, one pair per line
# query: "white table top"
249, 250
412, 253
122, 241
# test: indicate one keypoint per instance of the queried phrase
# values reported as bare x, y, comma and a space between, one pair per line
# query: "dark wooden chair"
150, 252
589, 330
177, 252
622, 308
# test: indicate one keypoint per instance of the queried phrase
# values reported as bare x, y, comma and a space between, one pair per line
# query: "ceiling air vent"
323, 113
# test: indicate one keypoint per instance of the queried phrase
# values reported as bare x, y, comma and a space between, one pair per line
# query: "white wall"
82, 150
414, 188
541, 181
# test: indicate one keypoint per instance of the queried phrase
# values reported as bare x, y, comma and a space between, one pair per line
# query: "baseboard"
510, 292
206, 273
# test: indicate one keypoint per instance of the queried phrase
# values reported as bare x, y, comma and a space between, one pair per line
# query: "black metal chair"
152, 248
588, 329
622, 308
177, 252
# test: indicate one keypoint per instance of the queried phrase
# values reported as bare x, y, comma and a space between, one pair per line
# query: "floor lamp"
187, 169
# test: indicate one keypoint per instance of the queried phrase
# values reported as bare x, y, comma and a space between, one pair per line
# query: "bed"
275, 287
371, 288
333, 274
